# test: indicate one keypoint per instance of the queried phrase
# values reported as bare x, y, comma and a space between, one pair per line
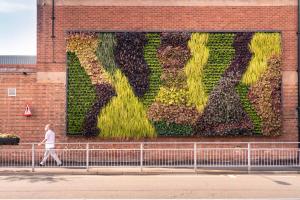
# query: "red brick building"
43, 86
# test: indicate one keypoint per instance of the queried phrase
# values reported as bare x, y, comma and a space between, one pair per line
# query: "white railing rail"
194, 155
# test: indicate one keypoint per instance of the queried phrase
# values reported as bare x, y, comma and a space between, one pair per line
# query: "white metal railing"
193, 155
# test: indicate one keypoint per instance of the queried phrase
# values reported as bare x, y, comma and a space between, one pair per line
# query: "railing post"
298, 151
141, 156
32, 157
87, 156
195, 156
249, 157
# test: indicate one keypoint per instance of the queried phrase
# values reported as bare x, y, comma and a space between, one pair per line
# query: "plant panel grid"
135, 85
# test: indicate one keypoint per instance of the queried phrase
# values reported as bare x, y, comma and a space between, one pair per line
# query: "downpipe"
53, 31
298, 70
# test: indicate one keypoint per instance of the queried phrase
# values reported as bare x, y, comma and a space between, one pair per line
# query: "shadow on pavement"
34, 179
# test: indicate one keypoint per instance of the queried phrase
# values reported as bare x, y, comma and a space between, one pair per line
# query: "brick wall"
44, 88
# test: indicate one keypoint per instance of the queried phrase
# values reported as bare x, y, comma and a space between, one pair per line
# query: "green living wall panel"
135, 85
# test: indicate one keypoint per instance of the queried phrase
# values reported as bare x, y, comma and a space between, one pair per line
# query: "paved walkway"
150, 186
145, 171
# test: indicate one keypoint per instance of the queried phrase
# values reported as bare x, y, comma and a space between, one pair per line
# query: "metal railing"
194, 155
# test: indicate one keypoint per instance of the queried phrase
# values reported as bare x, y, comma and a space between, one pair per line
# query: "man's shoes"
41, 164
59, 165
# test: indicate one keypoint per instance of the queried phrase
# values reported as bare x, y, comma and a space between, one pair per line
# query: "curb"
136, 171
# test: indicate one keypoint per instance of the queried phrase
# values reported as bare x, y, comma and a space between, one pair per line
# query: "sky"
17, 27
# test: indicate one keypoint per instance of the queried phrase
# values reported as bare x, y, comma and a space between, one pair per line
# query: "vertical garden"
132, 85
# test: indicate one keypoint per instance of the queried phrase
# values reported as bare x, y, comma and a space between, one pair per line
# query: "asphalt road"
150, 186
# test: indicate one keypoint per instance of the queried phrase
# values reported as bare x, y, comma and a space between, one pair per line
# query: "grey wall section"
17, 60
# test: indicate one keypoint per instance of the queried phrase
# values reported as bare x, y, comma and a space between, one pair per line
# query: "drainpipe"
298, 57
53, 33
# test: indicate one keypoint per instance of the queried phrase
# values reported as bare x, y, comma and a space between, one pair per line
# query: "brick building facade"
44, 84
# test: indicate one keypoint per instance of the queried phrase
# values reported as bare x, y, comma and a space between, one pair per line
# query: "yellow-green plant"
194, 70
172, 96
263, 46
124, 117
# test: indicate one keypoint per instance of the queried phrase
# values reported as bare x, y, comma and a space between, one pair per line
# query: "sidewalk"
144, 171
201, 186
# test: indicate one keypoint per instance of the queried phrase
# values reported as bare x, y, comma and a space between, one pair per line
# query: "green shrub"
171, 129
221, 53
150, 52
81, 94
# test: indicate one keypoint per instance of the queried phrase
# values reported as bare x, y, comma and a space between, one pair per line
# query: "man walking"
49, 142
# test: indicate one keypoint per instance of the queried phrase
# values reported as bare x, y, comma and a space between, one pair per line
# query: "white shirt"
50, 137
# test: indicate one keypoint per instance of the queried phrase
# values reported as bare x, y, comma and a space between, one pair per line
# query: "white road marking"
231, 176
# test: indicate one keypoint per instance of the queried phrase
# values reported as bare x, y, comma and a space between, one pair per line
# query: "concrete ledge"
16, 70
170, 2
289, 78
51, 77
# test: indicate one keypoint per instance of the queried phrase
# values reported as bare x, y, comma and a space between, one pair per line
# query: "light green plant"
243, 91
81, 94
221, 53
172, 129
263, 46
105, 51
194, 70
124, 117
150, 55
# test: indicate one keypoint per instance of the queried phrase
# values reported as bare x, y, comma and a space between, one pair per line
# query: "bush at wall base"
9, 139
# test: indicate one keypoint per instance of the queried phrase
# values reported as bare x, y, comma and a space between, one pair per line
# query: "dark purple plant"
175, 39
129, 57
105, 92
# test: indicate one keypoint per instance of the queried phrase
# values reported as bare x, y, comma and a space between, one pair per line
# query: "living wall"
142, 85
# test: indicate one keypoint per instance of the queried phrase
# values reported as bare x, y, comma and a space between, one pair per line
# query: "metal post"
249, 157
298, 151
141, 156
32, 157
195, 157
87, 156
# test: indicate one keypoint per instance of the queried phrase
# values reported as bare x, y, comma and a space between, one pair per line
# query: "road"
150, 186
